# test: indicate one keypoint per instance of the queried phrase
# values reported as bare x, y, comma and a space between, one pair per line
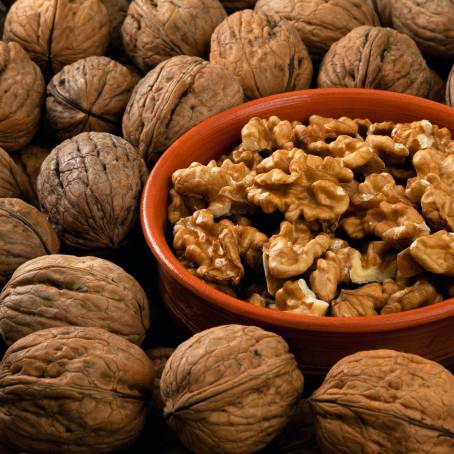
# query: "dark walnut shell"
155, 30
2, 17
22, 90
230, 389
264, 52
89, 187
85, 391
375, 57
117, 10
450, 89
89, 95
177, 95
320, 23
64, 290
56, 33
158, 357
24, 235
383, 401
384, 12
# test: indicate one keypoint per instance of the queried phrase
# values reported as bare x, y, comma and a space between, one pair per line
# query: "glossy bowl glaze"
317, 342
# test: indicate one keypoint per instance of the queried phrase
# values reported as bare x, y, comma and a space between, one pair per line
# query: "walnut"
384, 12
450, 89
2, 17
117, 10
56, 33
178, 94
182, 206
265, 52
158, 357
22, 88
85, 391
406, 265
320, 23
155, 30
89, 187
392, 59
64, 290
438, 87
24, 235
354, 153
251, 371
385, 401
362, 301
234, 5
89, 95
390, 152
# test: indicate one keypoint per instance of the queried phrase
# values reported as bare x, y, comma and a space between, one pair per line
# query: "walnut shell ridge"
230, 389
89, 187
64, 290
86, 391
450, 89
172, 98
22, 88
320, 23
155, 30
264, 52
89, 95
56, 33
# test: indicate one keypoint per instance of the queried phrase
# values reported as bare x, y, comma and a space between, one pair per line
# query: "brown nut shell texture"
383, 401
155, 30
22, 89
82, 390
375, 57
64, 290
89, 187
171, 99
2, 17
24, 235
56, 33
117, 10
89, 95
230, 389
320, 23
158, 357
265, 52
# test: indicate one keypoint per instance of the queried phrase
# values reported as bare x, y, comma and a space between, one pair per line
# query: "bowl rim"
157, 242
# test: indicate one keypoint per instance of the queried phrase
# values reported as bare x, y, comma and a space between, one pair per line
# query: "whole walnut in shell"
56, 33
89, 95
383, 401
64, 290
85, 389
320, 23
24, 235
155, 30
178, 94
22, 89
230, 389
117, 10
375, 57
450, 89
89, 187
266, 53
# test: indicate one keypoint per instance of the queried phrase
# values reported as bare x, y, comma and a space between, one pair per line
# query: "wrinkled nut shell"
22, 89
89, 95
85, 391
375, 57
89, 187
230, 389
385, 401
2, 17
320, 23
24, 235
56, 33
155, 30
384, 12
266, 53
117, 10
158, 357
178, 94
450, 89
63, 290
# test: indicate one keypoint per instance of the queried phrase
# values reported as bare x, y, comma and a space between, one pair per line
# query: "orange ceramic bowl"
317, 342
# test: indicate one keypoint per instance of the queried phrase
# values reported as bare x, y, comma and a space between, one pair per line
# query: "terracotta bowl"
317, 342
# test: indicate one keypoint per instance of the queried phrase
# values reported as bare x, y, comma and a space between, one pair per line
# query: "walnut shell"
230, 389
117, 10
24, 235
320, 23
178, 94
2, 17
375, 57
56, 33
22, 88
384, 12
264, 52
89, 187
85, 391
89, 95
64, 290
155, 30
429, 22
234, 5
450, 89
383, 401
158, 357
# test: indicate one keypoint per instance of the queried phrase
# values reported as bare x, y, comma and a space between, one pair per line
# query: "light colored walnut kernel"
390, 152
362, 301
